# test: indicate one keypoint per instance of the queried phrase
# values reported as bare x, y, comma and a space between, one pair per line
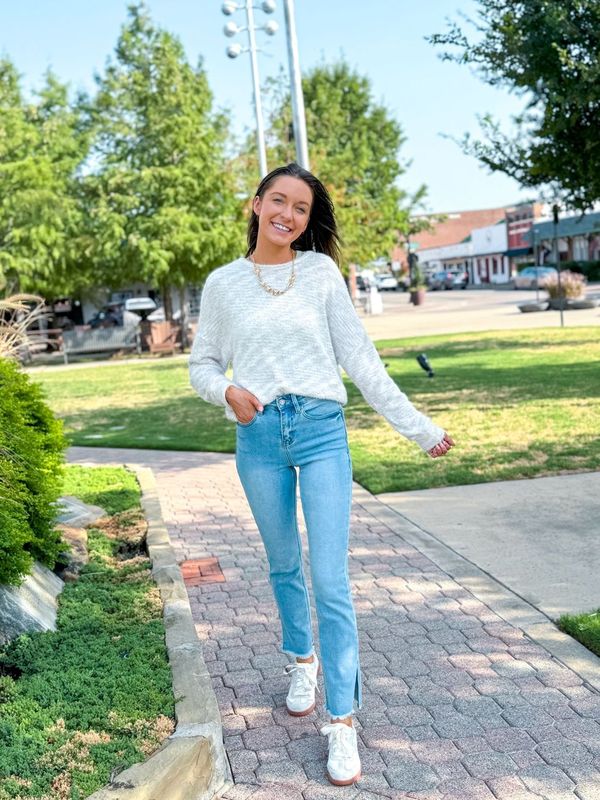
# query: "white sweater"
293, 343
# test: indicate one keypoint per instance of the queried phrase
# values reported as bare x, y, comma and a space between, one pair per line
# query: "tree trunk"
167, 304
183, 318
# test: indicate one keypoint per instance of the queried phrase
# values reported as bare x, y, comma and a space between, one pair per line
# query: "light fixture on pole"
234, 50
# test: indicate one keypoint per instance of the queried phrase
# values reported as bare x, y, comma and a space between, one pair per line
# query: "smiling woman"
283, 316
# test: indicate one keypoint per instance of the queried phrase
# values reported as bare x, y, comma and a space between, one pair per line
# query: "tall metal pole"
260, 133
562, 300
296, 87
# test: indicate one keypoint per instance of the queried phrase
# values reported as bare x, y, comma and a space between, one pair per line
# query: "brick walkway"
458, 704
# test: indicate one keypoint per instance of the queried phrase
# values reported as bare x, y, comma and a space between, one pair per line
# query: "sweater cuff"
430, 438
224, 384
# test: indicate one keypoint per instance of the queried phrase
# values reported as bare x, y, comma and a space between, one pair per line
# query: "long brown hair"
321, 234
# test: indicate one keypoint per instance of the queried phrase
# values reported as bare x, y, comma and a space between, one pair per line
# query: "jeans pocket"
316, 408
247, 424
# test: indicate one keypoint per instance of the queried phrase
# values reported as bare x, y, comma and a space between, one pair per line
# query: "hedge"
591, 269
32, 449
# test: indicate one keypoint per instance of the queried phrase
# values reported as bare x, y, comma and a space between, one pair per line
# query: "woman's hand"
245, 405
442, 448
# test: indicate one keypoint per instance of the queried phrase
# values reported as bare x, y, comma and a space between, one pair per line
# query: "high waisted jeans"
308, 433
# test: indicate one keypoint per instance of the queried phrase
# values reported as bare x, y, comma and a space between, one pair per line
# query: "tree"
353, 144
41, 149
160, 199
548, 52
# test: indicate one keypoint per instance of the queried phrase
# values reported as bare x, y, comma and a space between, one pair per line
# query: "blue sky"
383, 39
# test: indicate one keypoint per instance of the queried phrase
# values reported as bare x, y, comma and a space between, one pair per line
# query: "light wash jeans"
308, 433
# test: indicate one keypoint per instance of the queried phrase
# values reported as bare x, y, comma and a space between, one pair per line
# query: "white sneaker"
300, 699
343, 763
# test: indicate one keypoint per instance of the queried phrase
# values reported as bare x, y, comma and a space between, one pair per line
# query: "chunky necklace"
268, 288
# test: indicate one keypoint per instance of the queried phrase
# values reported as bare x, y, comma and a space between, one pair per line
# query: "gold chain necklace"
268, 288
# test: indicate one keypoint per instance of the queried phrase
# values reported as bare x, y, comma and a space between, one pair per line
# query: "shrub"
31, 457
591, 269
572, 285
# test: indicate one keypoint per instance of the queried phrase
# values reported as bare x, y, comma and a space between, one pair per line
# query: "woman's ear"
256, 204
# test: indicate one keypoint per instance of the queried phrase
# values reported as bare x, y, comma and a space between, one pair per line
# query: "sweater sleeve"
208, 358
357, 354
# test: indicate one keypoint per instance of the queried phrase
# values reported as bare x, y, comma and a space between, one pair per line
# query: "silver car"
528, 277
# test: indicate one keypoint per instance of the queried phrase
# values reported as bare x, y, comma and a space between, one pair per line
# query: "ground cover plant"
94, 696
583, 627
520, 404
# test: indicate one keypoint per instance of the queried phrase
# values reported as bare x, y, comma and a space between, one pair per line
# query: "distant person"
283, 316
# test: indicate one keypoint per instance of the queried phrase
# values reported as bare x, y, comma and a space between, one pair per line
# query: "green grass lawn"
95, 695
518, 403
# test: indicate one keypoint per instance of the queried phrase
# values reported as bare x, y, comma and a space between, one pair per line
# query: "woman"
283, 316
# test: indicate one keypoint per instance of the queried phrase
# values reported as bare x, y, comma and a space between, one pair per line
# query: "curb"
191, 764
498, 597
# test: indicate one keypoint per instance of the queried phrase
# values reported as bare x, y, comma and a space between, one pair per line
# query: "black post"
555, 210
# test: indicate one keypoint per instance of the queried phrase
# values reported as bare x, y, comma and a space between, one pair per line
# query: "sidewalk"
458, 703
539, 537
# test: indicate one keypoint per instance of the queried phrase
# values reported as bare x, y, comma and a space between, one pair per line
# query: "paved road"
458, 703
539, 537
470, 310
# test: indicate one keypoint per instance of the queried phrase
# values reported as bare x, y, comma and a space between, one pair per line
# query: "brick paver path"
458, 704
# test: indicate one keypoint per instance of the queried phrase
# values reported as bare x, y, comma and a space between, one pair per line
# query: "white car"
386, 282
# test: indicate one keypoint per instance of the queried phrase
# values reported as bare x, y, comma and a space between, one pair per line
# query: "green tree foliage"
41, 148
547, 51
353, 145
161, 203
31, 458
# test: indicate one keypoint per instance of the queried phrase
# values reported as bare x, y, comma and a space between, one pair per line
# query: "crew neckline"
299, 256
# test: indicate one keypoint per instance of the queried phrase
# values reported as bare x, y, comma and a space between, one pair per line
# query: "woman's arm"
208, 360
357, 354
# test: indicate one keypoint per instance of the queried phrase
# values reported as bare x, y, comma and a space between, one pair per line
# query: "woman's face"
284, 210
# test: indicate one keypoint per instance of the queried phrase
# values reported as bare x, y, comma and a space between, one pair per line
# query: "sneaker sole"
347, 782
301, 713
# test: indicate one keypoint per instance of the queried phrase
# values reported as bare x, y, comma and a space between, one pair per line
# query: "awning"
518, 251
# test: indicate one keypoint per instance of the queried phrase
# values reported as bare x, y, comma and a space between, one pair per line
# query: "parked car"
461, 280
386, 282
528, 277
441, 280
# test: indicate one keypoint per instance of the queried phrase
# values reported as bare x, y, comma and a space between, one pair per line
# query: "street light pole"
298, 115
260, 133
228, 8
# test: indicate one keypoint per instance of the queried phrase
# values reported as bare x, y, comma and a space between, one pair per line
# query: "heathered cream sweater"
293, 343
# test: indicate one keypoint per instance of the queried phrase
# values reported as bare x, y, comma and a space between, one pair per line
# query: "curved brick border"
191, 764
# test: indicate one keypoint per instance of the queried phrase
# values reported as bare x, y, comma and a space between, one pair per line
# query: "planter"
564, 303
417, 297
582, 303
529, 307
